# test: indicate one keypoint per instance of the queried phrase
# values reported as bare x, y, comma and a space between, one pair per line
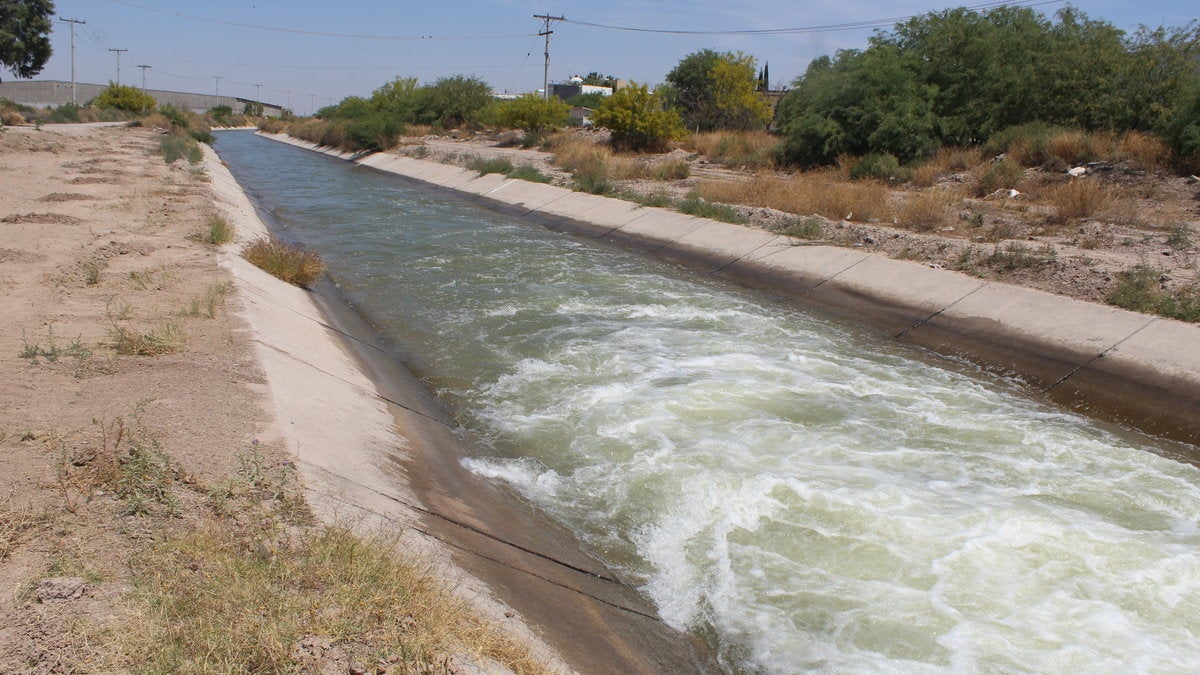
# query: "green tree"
736, 103
716, 90
596, 79
533, 114
455, 100
121, 97
24, 35
638, 120
401, 99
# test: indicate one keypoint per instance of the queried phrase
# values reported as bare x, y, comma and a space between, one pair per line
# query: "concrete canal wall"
1139, 370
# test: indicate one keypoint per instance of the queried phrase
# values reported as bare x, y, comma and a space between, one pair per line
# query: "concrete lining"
1140, 371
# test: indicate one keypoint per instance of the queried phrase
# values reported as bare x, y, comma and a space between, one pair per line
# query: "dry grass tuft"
927, 211
804, 194
750, 149
219, 232
167, 338
945, 161
285, 261
1077, 199
274, 601
1142, 150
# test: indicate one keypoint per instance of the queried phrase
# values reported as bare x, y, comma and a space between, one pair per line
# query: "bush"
880, 166
66, 113
808, 227
695, 206
174, 146
285, 261
637, 120
494, 165
1139, 289
219, 231
177, 116
753, 149
1077, 199
1006, 173
11, 118
533, 114
926, 211
121, 97
527, 172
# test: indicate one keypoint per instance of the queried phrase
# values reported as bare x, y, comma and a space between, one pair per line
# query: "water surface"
802, 493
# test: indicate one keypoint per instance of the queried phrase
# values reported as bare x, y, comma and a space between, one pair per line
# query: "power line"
297, 31
856, 25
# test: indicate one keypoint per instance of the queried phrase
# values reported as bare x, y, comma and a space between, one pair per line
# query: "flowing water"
802, 494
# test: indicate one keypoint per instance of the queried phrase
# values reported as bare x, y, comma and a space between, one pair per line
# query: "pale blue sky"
499, 42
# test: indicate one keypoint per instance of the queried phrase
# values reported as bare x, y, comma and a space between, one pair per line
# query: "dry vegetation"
992, 211
285, 261
143, 527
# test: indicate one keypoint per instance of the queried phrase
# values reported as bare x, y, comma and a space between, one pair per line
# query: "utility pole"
118, 53
289, 105
217, 79
258, 97
72, 22
144, 69
546, 19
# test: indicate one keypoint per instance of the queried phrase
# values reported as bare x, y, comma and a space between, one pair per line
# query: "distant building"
574, 87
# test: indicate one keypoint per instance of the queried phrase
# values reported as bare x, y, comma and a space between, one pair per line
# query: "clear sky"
187, 46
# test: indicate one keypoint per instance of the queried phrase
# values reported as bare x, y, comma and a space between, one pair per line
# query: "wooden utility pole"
546, 19
144, 69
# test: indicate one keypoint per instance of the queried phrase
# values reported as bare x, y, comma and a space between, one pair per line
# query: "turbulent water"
801, 494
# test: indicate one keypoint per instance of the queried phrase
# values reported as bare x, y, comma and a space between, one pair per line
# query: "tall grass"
285, 261
1077, 199
750, 149
804, 194
926, 211
219, 231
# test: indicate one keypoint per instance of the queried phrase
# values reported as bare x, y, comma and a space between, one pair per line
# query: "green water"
811, 497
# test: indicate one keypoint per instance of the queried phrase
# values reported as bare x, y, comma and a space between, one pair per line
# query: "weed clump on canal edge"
285, 261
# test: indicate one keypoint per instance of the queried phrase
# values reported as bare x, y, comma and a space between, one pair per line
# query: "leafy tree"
532, 113
716, 90
123, 97
253, 108
736, 103
24, 35
596, 79
401, 98
638, 119
456, 100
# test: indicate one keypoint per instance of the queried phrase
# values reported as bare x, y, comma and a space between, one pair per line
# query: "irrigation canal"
799, 493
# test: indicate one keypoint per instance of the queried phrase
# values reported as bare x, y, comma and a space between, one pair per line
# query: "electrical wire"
297, 31
855, 25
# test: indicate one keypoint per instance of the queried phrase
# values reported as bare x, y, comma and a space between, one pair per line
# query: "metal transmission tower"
546, 19
144, 69
118, 53
72, 22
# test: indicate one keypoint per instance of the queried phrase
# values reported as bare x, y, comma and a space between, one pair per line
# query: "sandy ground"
97, 232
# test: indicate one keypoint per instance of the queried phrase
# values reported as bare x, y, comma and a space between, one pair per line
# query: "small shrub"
220, 231
880, 166
529, 173
655, 199
1179, 237
173, 147
1006, 173
804, 194
700, 208
167, 338
593, 180
674, 170
11, 118
122, 97
1142, 150
750, 149
205, 306
808, 227
66, 113
177, 116
1015, 256
1139, 289
926, 211
494, 165
285, 261
1077, 199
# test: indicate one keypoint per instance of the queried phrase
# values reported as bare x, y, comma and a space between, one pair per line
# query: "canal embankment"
376, 450
1138, 370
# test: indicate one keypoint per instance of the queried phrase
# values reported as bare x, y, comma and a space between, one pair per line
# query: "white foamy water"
804, 495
